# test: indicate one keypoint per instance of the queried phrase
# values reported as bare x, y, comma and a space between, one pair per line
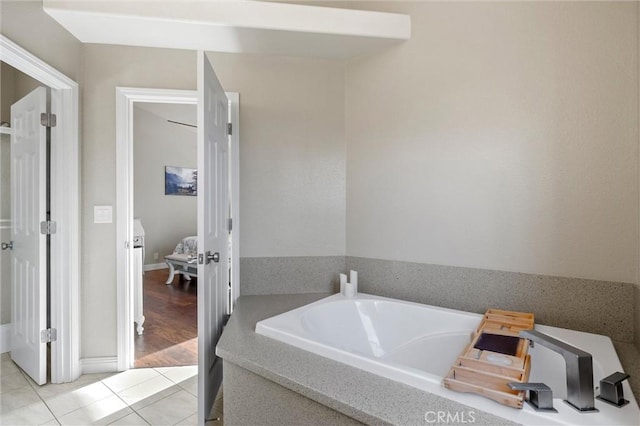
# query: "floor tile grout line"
84, 406
182, 420
165, 397
27, 378
177, 383
127, 405
129, 387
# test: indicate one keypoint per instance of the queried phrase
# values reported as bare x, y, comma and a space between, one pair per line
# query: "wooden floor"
170, 336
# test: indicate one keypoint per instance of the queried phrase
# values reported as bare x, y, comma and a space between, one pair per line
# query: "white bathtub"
417, 344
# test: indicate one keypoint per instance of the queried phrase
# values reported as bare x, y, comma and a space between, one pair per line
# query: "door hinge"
230, 224
229, 128
48, 335
48, 119
47, 227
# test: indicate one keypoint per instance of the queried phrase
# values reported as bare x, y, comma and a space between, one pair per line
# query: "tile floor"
144, 396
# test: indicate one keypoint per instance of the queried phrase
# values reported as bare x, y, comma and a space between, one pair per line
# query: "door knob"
215, 257
7, 246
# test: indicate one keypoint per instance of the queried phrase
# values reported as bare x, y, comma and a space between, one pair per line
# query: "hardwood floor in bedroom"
170, 336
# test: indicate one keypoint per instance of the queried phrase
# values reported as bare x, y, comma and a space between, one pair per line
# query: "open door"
213, 235
28, 245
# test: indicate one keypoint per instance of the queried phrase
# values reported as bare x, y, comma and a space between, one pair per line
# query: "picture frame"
180, 181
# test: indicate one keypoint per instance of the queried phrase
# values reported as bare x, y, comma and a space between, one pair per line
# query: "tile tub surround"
287, 275
599, 307
354, 393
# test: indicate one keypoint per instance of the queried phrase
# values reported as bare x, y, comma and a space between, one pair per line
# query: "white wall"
104, 68
7, 90
501, 136
166, 218
292, 153
25, 22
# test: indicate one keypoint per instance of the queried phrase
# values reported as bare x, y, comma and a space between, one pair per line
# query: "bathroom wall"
7, 90
292, 170
292, 180
25, 23
473, 145
504, 137
157, 143
292, 166
501, 136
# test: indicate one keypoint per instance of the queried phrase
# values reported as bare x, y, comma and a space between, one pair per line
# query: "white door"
28, 256
213, 236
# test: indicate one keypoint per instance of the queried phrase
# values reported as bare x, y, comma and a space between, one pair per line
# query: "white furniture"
183, 260
138, 296
184, 264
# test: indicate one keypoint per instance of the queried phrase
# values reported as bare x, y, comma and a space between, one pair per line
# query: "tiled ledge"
600, 307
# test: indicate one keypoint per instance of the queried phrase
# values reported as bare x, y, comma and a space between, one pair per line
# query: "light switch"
102, 214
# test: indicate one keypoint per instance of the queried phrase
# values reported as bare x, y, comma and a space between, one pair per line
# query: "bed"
183, 260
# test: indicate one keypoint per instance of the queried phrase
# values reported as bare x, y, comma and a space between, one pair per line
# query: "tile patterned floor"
144, 396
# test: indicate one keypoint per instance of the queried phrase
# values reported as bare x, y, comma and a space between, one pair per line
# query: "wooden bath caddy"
487, 372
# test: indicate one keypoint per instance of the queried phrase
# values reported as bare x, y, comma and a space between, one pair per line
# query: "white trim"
125, 99
155, 267
234, 172
5, 223
65, 204
5, 338
238, 26
99, 365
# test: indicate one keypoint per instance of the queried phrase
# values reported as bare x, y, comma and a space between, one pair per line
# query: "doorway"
126, 100
165, 228
63, 333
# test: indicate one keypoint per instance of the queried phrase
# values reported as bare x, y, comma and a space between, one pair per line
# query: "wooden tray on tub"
495, 356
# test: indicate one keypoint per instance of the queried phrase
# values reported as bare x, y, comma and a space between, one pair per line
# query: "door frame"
65, 208
126, 97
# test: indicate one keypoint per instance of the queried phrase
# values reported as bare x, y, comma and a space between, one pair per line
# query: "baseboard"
99, 365
155, 266
5, 338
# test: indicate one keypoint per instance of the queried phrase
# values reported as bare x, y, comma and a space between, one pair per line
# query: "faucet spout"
579, 365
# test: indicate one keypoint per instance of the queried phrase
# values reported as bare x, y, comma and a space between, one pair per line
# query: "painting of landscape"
180, 181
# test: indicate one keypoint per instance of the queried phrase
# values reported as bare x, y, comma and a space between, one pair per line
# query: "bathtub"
416, 345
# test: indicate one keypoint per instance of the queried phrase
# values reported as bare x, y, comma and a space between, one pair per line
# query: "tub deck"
374, 400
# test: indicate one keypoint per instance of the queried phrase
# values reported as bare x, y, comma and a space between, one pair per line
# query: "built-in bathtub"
417, 344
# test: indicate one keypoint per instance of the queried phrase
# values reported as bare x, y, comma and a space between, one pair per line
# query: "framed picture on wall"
180, 181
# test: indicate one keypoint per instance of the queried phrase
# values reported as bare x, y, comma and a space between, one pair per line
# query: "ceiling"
237, 26
183, 113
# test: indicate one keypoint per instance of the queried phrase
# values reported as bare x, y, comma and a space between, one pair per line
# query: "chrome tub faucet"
579, 366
